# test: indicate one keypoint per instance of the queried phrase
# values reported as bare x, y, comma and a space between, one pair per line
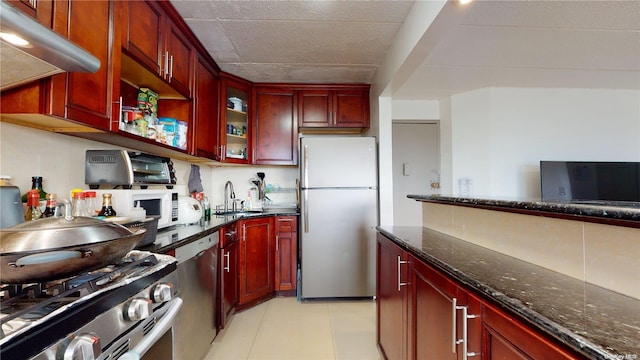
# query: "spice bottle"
107, 207
93, 206
50, 209
33, 206
78, 204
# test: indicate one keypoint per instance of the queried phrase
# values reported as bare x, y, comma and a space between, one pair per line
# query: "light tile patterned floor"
284, 328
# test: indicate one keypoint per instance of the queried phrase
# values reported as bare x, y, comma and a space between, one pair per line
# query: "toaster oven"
127, 168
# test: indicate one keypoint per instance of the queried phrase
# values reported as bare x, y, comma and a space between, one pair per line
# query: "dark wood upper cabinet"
206, 100
235, 123
335, 107
142, 34
153, 39
275, 126
85, 98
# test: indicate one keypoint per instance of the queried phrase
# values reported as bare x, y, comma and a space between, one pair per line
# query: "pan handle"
51, 256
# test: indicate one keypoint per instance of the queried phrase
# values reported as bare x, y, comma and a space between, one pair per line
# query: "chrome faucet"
229, 187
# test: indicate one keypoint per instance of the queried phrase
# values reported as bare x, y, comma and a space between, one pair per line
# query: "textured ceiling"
583, 44
296, 41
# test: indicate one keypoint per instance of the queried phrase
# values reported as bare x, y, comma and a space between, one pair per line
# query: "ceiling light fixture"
464, 2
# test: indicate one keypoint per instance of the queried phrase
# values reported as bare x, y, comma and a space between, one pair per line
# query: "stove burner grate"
30, 302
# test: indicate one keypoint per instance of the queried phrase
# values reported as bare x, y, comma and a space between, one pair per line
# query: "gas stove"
101, 314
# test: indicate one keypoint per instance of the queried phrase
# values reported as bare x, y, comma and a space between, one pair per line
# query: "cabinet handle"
244, 232
465, 333
228, 267
277, 242
166, 65
400, 283
170, 68
454, 314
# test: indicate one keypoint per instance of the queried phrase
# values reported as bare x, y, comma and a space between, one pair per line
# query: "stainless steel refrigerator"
339, 213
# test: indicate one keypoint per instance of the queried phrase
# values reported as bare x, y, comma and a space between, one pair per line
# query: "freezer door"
338, 162
338, 243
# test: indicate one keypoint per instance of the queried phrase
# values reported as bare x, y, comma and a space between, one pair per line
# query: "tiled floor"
283, 328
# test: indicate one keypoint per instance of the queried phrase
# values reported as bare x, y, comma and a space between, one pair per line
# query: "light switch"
405, 169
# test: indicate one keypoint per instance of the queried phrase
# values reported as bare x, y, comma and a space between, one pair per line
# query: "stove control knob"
138, 309
162, 292
83, 347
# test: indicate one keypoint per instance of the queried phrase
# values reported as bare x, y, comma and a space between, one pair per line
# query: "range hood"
46, 54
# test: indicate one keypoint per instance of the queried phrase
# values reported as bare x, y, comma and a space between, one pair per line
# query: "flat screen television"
590, 181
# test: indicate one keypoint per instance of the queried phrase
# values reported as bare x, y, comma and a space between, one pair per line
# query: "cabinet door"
391, 299
143, 32
179, 53
432, 306
84, 97
228, 281
286, 253
256, 259
235, 127
505, 338
206, 98
275, 127
351, 109
315, 109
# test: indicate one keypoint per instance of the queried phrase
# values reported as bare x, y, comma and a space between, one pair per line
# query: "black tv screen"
590, 181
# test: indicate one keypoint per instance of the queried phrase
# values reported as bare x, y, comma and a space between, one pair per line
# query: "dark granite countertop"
606, 212
596, 322
176, 236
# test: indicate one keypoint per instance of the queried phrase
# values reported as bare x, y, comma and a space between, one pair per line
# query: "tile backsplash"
604, 255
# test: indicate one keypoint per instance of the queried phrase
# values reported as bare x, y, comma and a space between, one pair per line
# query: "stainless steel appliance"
196, 326
45, 53
127, 168
124, 308
339, 208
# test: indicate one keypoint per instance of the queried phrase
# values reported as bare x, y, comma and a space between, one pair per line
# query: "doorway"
415, 167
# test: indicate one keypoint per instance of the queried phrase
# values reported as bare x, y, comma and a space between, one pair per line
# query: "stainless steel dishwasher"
195, 326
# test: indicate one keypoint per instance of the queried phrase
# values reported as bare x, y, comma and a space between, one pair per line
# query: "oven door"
157, 344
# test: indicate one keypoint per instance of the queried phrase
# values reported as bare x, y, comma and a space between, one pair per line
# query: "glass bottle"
36, 183
33, 206
78, 204
93, 207
107, 207
50, 209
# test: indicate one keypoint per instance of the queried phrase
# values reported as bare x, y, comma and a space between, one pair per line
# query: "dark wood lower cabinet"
257, 257
391, 299
424, 314
286, 254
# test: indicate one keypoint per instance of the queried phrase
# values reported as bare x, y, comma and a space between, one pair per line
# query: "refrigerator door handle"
306, 210
305, 179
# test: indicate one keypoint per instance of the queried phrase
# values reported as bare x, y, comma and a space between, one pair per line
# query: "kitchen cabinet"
507, 338
392, 299
206, 103
286, 253
334, 107
83, 97
152, 38
257, 257
424, 314
41, 11
235, 146
229, 272
275, 126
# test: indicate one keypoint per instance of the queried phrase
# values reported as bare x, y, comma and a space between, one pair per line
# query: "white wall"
499, 135
59, 159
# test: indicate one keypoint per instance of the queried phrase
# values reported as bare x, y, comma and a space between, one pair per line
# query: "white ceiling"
570, 44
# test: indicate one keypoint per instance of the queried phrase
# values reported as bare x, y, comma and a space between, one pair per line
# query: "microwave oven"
161, 204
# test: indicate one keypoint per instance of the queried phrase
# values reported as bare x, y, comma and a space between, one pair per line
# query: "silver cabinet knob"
162, 292
138, 309
83, 347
